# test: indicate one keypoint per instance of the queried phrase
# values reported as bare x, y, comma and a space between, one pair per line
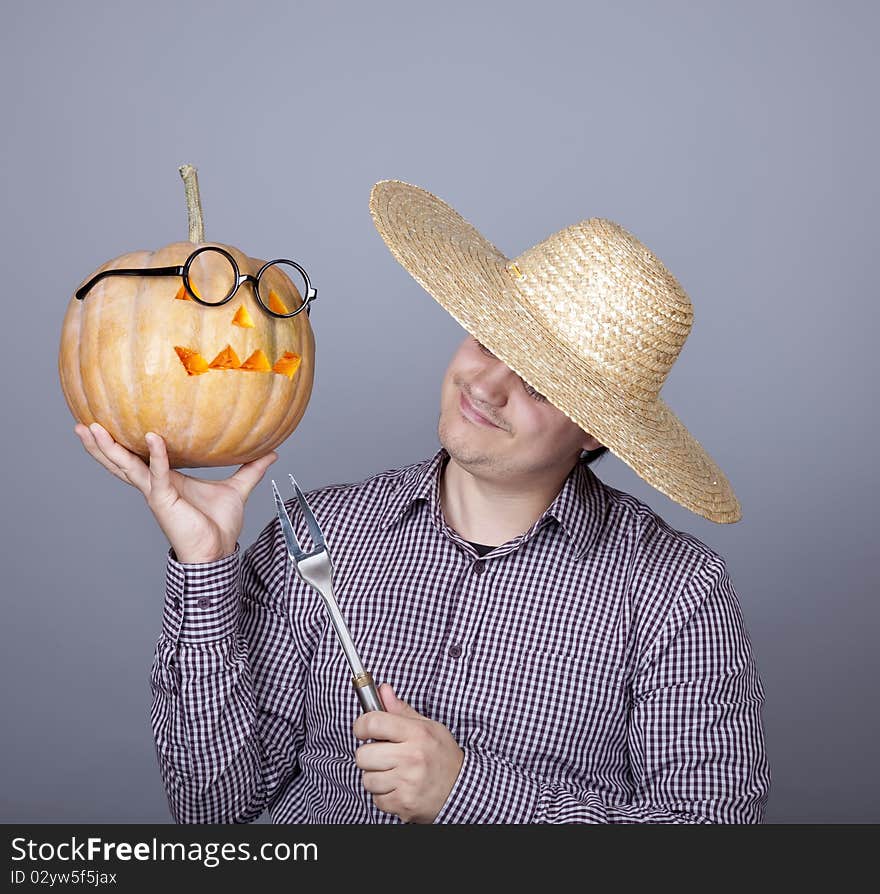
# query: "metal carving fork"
316, 569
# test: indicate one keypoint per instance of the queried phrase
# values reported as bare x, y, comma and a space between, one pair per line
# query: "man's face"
529, 434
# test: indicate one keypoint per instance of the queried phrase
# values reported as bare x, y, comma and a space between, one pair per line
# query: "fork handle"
367, 693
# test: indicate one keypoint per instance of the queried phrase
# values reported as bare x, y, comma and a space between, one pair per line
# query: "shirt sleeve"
696, 738
227, 683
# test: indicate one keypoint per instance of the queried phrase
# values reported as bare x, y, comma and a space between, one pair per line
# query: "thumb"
249, 475
393, 704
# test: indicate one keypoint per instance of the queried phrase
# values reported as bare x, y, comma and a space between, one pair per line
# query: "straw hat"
590, 317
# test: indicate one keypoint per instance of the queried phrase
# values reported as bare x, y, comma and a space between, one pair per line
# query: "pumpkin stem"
193, 203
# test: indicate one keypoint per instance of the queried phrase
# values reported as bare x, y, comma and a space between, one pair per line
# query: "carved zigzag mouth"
194, 364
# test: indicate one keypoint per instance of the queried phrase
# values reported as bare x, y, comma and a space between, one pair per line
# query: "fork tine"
311, 521
293, 546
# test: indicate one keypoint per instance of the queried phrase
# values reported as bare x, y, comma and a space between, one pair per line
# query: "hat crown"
610, 300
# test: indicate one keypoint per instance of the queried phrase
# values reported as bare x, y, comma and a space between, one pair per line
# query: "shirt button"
454, 650
176, 603
203, 602
479, 566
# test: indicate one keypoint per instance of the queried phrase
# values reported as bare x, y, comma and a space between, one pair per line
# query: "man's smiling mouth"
472, 414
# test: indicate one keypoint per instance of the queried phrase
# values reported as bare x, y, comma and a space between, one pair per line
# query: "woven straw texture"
589, 317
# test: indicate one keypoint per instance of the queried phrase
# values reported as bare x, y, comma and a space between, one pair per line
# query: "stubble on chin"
465, 453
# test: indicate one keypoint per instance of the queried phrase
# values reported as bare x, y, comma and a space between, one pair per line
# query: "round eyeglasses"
211, 277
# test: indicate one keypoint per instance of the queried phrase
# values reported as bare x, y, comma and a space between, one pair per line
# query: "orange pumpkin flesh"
195, 364
242, 318
226, 359
287, 364
257, 362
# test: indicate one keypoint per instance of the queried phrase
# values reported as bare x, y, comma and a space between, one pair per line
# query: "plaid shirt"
594, 669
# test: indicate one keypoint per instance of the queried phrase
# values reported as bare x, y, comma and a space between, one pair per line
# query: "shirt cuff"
489, 790
202, 599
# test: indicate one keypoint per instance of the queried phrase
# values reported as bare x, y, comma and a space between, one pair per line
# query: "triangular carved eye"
183, 295
275, 303
243, 318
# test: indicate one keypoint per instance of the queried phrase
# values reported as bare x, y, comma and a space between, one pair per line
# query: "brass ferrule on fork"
366, 691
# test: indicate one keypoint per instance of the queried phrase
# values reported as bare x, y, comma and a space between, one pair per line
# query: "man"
553, 650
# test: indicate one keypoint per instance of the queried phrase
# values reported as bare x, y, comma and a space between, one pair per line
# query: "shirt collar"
422, 482
579, 507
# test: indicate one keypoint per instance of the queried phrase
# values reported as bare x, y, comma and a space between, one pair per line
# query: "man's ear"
590, 443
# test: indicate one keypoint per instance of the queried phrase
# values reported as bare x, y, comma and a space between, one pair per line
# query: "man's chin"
465, 454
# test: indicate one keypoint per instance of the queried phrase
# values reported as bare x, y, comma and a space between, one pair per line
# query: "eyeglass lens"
212, 277
275, 290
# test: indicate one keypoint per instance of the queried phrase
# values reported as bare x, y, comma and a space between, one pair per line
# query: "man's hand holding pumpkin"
201, 518
414, 762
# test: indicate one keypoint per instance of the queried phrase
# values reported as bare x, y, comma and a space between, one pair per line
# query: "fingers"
154, 481
384, 726
87, 438
113, 456
160, 480
249, 475
377, 756
381, 783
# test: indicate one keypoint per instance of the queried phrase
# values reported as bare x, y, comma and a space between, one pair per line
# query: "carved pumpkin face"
222, 384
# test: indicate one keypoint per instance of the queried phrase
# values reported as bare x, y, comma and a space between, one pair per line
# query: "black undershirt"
481, 548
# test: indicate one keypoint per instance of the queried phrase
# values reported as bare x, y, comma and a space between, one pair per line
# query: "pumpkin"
222, 385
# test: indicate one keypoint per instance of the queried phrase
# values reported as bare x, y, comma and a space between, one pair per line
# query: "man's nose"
493, 383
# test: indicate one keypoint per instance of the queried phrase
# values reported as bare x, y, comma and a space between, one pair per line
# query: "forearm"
490, 789
696, 738
205, 710
203, 721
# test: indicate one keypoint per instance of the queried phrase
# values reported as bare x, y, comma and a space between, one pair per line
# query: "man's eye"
529, 390
532, 393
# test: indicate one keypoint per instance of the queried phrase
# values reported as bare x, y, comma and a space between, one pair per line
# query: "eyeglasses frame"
310, 296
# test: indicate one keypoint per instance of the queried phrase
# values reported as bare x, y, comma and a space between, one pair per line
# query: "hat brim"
468, 276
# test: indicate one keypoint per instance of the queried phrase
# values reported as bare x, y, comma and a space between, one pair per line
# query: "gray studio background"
738, 141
